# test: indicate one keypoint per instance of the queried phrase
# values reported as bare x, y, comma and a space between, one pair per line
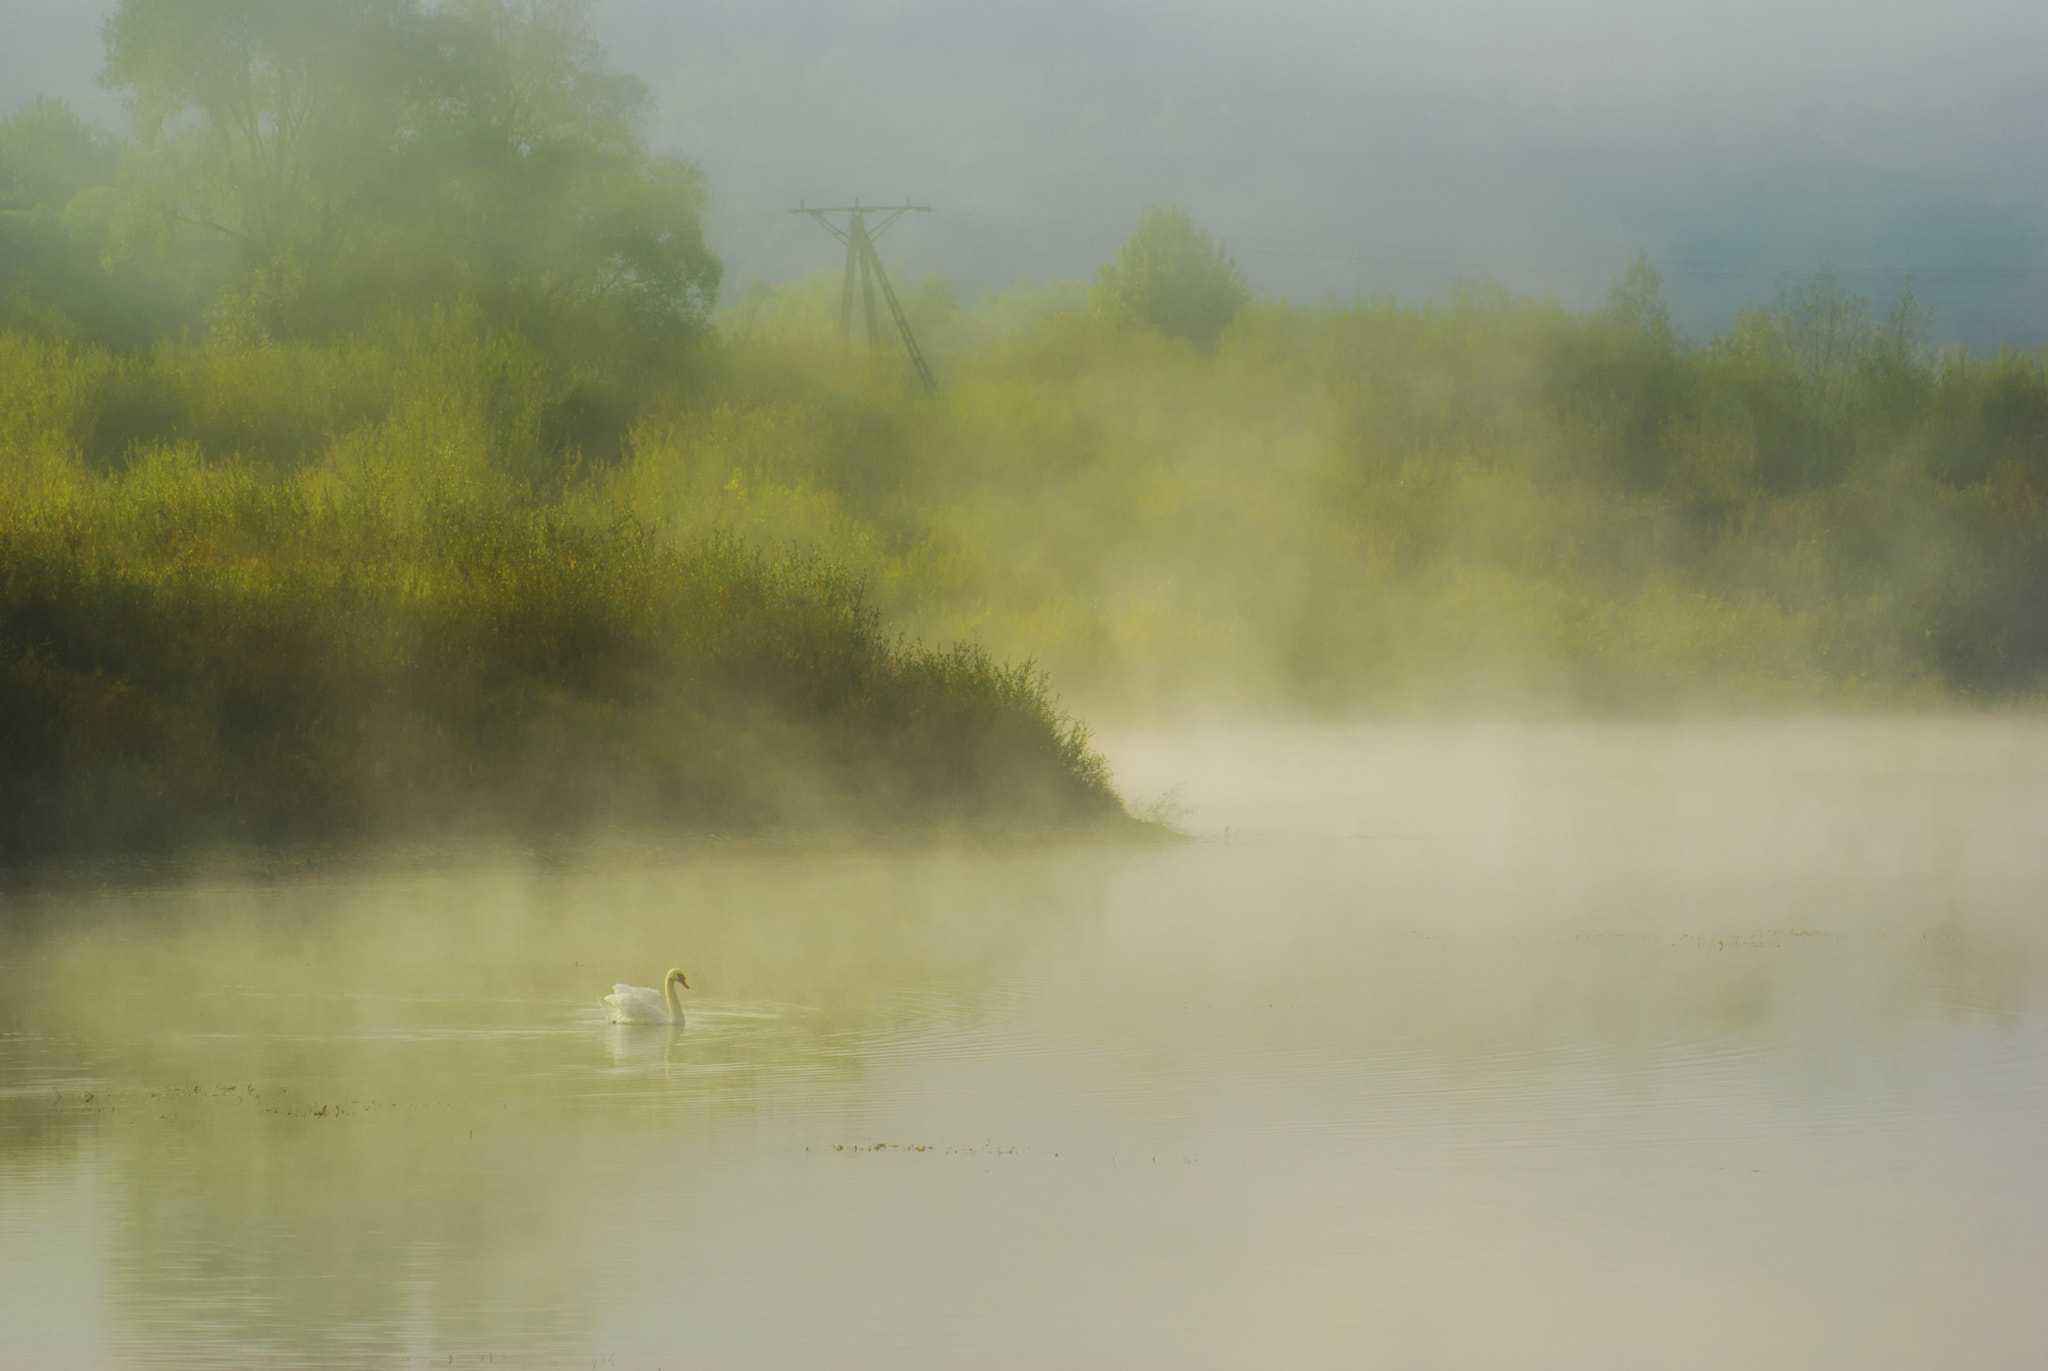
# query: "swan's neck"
675, 1004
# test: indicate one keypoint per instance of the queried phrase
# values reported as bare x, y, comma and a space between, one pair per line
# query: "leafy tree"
1824, 330
56, 202
1635, 302
1617, 380
1168, 276
260, 118
361, 150
49, 253
539, 181
48, 155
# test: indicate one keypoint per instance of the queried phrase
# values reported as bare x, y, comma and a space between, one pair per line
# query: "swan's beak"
685, 980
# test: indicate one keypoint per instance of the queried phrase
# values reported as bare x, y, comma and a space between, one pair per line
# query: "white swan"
639, 1004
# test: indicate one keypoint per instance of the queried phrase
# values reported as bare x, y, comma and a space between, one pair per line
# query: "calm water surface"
1694, 1046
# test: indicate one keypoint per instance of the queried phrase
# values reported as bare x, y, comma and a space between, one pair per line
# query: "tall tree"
56, 199
354, 149
540, 179
1169, 276
259, 119
48, 155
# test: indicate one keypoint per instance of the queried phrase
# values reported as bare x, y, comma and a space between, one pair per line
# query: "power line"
1095, 232
1394, 256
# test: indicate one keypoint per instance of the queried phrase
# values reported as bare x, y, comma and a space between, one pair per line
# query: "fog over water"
1389, 149
1548, 1046
1711, 1043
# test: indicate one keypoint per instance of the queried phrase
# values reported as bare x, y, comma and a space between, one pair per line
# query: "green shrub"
1168, 276
198, 650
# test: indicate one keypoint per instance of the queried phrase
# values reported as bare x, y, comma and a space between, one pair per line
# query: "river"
1694, 1045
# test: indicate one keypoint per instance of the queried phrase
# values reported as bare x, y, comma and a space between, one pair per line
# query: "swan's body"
639, 1004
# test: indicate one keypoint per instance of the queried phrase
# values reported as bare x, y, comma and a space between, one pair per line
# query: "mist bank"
439, 574
1494, 504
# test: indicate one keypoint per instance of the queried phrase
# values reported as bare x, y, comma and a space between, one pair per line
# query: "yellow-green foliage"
1168, 276
1492, 504
198, 645
432, 568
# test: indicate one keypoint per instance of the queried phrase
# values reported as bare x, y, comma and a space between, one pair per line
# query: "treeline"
308, 397
1493, 504
416, 479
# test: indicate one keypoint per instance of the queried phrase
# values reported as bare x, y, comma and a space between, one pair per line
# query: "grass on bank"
201, 651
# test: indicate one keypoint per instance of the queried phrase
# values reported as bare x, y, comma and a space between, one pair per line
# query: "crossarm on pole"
862, 260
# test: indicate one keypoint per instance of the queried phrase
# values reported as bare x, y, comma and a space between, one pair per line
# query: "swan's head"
676, 975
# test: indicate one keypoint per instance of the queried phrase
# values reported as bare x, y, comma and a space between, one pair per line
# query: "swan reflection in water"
643, 1045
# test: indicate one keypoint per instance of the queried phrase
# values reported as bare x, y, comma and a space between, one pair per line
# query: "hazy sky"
1350, 150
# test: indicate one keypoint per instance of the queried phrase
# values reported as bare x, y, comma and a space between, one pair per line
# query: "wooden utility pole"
861, 258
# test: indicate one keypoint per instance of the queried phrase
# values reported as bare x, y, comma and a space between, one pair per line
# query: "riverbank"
197, 653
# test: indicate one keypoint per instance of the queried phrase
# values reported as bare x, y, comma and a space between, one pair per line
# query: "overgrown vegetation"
307, 416
328, 503
1494, 504
372, 643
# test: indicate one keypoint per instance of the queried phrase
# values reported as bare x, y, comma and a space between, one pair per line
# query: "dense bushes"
432, 568
399, 638
1492, 504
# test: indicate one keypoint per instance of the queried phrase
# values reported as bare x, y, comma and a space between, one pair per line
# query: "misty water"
1558, 1046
